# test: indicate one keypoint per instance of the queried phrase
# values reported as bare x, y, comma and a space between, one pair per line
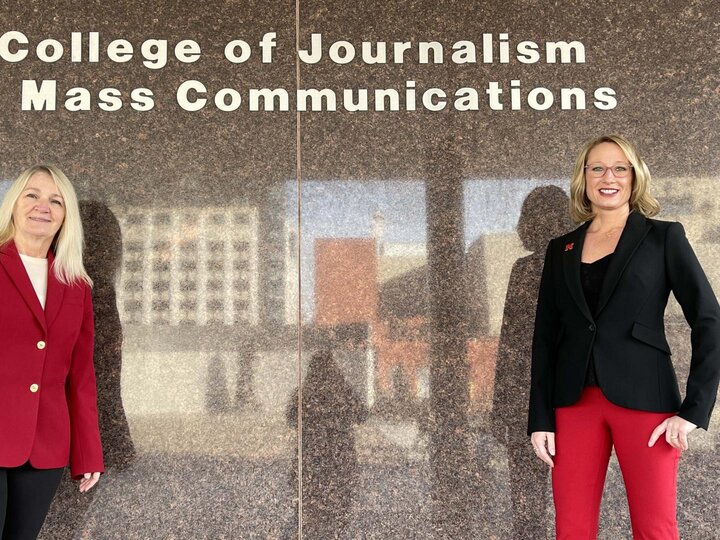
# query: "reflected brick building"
346, 288
366, 287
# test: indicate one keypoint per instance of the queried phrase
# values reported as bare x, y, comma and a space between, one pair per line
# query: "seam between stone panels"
298, 174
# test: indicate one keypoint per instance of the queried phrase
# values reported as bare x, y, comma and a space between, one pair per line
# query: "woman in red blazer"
48, 411
602, 377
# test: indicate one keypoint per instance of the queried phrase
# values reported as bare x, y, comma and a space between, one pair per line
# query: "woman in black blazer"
601, 373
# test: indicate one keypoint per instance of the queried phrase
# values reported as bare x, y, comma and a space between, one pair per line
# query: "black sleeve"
700, 307
542, 373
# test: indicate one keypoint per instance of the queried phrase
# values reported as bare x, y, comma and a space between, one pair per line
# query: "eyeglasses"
598, 171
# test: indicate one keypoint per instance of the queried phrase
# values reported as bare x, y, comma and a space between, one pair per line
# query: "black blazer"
626, 334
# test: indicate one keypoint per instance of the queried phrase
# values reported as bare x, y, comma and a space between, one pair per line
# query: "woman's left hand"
676, 430
88, 481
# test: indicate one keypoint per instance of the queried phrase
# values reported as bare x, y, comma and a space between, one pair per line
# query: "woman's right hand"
544, 445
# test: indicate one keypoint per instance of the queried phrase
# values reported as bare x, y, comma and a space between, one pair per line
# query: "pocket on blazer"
651, 337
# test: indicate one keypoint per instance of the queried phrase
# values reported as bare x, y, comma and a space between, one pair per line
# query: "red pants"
585, 434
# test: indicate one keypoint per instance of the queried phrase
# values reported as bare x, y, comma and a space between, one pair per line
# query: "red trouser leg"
585, 433
650, 474
583, 443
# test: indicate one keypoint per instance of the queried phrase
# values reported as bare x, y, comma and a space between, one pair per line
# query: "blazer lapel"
572, 257
10, 260
636, 228
55, 293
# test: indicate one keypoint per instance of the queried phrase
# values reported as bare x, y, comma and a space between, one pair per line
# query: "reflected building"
208, 299
489, 261
192, 266
694, 203
206, 266
346, 306
401, 336
381, 290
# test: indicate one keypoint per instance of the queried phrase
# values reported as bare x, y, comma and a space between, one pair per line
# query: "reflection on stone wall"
544, 216
330, 475
404, 263
190, 266
102, 257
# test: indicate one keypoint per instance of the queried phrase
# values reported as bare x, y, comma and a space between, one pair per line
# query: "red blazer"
48, 397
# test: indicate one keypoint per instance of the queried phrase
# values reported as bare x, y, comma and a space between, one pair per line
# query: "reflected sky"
345, 209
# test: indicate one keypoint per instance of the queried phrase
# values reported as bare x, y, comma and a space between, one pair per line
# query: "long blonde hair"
67, 245
640, 198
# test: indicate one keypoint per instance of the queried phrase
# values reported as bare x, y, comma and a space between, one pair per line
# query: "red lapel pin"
569, 246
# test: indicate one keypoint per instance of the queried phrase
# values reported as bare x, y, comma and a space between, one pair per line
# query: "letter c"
9, 37
182, 95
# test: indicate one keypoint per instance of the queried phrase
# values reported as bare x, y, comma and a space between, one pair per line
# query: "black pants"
25, 497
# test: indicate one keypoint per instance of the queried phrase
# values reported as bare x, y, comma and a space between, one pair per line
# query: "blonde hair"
640, 199
67, 245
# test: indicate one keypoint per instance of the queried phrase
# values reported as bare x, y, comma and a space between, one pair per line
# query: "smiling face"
606, 191
39, 211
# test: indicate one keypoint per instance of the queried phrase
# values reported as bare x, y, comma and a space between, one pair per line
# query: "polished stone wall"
321, 320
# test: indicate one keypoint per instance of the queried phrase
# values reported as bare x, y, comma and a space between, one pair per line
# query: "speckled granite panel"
452, 211
658, 57
189, 219
421, 246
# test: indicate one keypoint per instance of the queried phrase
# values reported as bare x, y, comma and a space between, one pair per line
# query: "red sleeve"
81, 393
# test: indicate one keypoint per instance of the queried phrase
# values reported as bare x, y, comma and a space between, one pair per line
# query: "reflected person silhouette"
330, 474
543, 216
217, 397
102, 256
246, 358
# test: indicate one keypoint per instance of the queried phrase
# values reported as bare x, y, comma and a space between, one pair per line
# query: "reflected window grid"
192, 266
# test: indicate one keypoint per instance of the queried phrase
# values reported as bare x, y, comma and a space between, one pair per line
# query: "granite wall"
334, 307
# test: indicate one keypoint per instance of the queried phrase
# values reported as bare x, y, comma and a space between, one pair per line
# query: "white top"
37, 270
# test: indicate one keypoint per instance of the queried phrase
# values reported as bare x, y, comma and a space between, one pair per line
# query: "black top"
592, 275
626, 334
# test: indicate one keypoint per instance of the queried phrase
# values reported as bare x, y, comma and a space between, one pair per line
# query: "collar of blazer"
636, 228
13, 265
